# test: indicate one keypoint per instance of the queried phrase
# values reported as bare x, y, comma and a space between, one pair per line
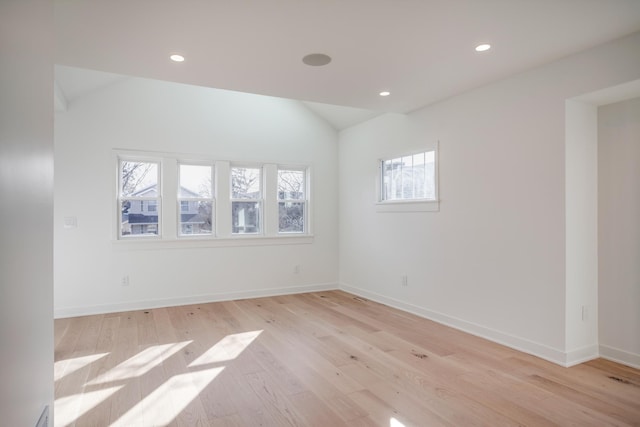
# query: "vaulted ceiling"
421, 51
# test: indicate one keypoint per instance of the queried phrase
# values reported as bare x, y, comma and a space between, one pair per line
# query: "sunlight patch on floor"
226, 349
166, 402
395, 423
67, 409
141, 363
65, 367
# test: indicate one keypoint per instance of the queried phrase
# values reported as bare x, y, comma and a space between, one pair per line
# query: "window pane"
138, 179
245, 217
135, 221
245, 183
409, 177
291, 217
396, 183
290, 185
196, 217
196, 181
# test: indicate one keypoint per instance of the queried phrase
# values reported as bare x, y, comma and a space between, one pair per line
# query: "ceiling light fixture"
316, 59
176, 58
483, 47
385, 93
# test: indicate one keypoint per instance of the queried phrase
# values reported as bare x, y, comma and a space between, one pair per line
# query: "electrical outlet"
124, 281
70, 222
585, 313
296, 269
405, 280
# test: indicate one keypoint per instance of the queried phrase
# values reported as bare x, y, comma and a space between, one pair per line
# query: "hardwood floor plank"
318, 359
232, 420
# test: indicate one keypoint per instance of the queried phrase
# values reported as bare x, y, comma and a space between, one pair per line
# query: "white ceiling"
72, 83
420, 50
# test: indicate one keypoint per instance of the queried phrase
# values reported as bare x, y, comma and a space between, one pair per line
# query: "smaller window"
292, 201
411, 177
195, 200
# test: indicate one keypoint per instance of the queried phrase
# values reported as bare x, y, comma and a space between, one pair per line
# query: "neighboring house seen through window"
409, 177
181, 197
195, 199
139, 187
246, 200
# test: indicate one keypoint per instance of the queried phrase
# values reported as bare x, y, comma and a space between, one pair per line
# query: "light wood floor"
319, 359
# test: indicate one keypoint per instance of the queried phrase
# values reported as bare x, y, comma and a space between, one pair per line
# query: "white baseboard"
559, 357
620, 356
536, 349
194, 299
581, 355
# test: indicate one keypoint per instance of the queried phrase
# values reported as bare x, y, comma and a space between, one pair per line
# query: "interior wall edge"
581, 355
620, 356
542, 351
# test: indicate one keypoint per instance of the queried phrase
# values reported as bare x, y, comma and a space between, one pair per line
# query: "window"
246, 200
292, 201
195, 199
139, 188
411, 177
185, 200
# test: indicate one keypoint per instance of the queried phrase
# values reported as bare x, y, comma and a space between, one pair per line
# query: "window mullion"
413, 179
169, 194
270, 197
222, 206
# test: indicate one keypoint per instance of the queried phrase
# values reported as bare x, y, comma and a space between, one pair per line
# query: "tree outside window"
246, 200
291, 201
138, 188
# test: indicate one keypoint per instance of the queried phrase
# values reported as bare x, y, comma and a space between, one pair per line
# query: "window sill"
408, 206
210, 242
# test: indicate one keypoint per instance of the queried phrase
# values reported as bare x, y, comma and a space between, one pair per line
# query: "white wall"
581, 213
492, 260
619, 230
26, 192
160, 116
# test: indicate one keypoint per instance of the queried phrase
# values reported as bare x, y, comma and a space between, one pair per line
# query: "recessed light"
483, 47
176, 58
385, 93
316, 59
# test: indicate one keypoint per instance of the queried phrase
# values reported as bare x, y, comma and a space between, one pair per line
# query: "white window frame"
168, 204
211, 199
407, 205
121, 198
259, 201
304, 201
